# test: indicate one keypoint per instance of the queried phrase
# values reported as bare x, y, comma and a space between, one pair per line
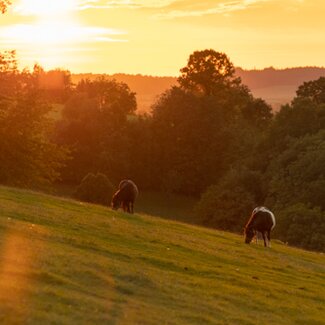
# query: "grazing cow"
261, 221
125, 196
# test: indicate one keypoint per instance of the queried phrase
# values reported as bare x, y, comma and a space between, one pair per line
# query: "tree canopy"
94, 125
28, 156
313, 90
207, 72
4, 4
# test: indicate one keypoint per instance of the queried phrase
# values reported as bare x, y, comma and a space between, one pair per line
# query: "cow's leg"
264, 238
128, 207
269, 237
256, 237
131, 204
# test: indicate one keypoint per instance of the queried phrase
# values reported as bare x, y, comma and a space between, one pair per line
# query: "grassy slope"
63, 262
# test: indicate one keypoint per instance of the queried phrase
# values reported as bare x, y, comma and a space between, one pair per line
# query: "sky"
156, 37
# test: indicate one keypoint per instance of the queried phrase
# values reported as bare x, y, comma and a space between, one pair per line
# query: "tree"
297, 174
4, 4
313, 90
207, 72
204, 125
228, 204
194, 138
94, 125
301, 225
95, 189
56, 85
28, 155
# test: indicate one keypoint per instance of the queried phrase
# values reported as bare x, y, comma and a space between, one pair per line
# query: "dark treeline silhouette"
275, 86
207, 137
147, 88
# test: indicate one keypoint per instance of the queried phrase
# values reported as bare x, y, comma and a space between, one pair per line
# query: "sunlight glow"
160, 34
57, 33
53, 44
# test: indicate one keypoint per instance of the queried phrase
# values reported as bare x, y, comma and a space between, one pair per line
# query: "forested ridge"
275, 86
207, 137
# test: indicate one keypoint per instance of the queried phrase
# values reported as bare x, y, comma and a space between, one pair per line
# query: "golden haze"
156, 36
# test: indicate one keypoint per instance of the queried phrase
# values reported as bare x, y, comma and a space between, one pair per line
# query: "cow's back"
128, 190
262, 221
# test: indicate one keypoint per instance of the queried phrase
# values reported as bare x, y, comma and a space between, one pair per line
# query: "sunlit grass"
69, 262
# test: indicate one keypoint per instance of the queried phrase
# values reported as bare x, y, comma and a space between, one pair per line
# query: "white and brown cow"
125, 196
262, 220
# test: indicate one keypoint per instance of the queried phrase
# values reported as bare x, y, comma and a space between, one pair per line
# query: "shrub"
95, 189
300, 225
225, 209
228, 204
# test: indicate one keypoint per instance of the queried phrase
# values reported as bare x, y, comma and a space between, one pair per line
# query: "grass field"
66, 262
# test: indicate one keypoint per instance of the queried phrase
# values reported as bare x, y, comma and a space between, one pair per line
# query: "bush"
95, 189
229, 204
302, 226
225, 209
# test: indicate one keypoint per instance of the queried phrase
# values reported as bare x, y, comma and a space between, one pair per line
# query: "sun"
45, 7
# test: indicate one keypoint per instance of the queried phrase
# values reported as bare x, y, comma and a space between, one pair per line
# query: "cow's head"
116, 202
249, 234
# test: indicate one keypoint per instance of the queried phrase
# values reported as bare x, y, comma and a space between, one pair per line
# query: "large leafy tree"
94, 125
203, 125
313, 90
208, 72
28, 155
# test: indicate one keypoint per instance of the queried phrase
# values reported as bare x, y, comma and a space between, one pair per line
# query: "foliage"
287, 157
296, 120
228, 204
207, 72
4, 4
302, 226
95, 188
297, 174
28, 156
313, 90
202, 135
55, 85
94, 125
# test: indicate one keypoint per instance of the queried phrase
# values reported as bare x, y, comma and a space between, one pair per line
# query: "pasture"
67, 262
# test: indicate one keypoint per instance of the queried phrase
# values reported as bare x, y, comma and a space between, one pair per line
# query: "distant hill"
275, 86
67, 262
278, 87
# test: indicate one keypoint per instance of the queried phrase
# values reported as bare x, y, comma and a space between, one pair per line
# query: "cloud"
185, 6
53, 34
169, 9
223, 7
131, 4
32, 7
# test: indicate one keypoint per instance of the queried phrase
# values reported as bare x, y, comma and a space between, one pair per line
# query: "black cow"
262, 220
125, 196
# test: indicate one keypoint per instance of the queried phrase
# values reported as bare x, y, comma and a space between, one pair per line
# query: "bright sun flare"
52, 35
45, 7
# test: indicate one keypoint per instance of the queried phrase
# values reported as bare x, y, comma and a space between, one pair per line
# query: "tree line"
206, 137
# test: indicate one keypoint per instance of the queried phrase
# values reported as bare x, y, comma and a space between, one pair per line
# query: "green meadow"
67, 262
